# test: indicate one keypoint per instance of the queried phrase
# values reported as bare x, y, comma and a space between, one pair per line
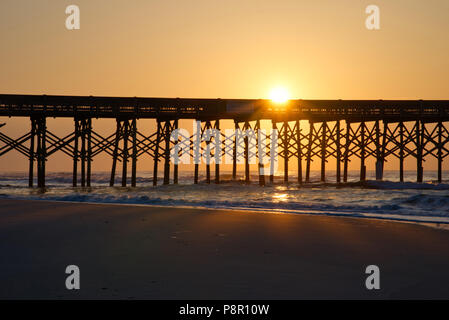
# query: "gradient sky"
227, 49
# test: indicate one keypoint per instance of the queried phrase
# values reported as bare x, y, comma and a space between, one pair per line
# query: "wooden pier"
340, 129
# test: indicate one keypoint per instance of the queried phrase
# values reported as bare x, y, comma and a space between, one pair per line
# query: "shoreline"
440, 225
143, 252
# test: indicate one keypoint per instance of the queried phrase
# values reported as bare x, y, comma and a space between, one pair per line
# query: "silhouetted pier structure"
340, 129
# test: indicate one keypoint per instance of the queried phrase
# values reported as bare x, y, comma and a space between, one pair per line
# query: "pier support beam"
115, 152
167, 153
175, 165
440, 151
208, 127
402, 142
309, 151
125, 154
338, 150
401, 151
83, 132
83, 156
126, 132
261, 143
234, 151
88, 136
273, 151
323, 143
217, 151
299, 150
419, 151
362, 151
207, 134
156, 151
41, 152
290, 146
31, 156
379, 152
346, 155
323, 151
246, 126
248, 136
134, 152
197, 149
286, 151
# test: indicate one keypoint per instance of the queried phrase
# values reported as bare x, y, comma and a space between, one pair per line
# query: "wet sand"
141, 252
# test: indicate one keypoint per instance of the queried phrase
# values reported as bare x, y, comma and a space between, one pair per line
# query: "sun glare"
279, 95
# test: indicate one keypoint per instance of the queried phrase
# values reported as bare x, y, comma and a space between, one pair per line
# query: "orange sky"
227, 49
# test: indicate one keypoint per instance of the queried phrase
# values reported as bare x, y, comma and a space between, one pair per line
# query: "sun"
279, 95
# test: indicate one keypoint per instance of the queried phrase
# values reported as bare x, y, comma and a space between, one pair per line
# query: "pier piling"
411, 129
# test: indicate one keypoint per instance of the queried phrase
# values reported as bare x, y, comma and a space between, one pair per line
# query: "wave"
390, 185
380, 199
406, 206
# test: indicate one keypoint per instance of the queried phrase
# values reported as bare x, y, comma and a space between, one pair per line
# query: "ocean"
426, 202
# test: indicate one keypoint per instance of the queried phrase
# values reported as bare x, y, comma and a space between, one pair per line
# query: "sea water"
389, 199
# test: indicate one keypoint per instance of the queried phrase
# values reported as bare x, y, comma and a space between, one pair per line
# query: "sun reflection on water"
282, 197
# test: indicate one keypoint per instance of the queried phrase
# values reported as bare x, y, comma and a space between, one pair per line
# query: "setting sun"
279, 95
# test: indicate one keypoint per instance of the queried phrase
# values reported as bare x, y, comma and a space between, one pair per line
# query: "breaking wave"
423, 202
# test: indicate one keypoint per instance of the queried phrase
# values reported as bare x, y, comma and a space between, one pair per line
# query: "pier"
339, 129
